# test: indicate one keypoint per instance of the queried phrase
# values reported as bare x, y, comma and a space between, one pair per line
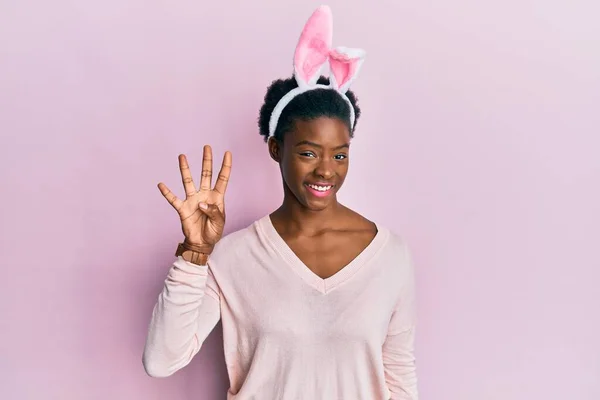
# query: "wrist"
193, 253
195, 258
198, 248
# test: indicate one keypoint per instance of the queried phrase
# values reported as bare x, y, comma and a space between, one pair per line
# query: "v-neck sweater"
289, 334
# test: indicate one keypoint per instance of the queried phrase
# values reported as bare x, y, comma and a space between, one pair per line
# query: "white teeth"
320, 188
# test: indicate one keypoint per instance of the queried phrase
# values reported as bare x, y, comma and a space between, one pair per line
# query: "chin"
317, 204
316, 207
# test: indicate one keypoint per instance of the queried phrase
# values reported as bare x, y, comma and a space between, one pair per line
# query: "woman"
316, 301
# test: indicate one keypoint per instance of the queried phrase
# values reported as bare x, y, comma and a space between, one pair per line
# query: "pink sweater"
289, 334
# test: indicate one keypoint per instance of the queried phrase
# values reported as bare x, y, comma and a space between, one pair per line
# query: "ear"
274, 149
313, 47
345, 64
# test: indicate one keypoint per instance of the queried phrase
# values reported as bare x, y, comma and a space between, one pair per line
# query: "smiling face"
313, 159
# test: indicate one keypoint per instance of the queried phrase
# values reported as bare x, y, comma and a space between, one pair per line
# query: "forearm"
183, 316
400, 367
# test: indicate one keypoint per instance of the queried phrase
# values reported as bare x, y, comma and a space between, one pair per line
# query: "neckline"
323, 285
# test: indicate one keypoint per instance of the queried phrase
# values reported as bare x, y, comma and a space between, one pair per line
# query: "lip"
316, 192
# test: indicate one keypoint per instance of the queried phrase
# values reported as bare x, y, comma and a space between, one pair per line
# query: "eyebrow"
345, 145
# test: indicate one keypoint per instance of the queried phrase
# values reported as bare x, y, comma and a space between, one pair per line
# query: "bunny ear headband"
313, 52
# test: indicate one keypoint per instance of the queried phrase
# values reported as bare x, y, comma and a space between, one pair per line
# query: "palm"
198, 227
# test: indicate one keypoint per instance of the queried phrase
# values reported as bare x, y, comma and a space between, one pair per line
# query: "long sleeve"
187, 310
398, 348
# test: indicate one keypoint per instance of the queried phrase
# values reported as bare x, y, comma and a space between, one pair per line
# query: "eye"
308, 154
340, 157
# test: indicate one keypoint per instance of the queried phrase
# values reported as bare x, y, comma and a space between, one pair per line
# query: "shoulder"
398, 263
396, 241
397, 249
235, 241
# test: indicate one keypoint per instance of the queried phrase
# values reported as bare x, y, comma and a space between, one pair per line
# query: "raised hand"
202, 213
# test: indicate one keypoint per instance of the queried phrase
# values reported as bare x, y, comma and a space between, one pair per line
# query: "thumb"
211, 211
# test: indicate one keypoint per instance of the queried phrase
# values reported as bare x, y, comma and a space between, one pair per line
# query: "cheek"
342, 170
293, 174
297, 169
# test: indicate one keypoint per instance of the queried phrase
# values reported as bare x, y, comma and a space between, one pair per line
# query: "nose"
325, 168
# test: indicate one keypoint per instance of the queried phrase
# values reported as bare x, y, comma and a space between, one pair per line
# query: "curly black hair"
306, 106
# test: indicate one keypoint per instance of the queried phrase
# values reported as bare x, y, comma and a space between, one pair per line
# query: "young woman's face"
314, 160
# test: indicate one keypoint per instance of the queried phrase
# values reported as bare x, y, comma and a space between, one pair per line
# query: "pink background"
479, 143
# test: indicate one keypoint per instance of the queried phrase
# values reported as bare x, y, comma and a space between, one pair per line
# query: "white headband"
313, 52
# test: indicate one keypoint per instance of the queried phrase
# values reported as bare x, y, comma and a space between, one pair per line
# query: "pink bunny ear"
345, 64
313, 47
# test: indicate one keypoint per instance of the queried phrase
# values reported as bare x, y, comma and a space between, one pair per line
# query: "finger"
223, 179
212, 212
206, 179
171, 198
186, 176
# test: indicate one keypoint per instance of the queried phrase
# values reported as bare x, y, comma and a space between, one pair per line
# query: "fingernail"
203, 205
